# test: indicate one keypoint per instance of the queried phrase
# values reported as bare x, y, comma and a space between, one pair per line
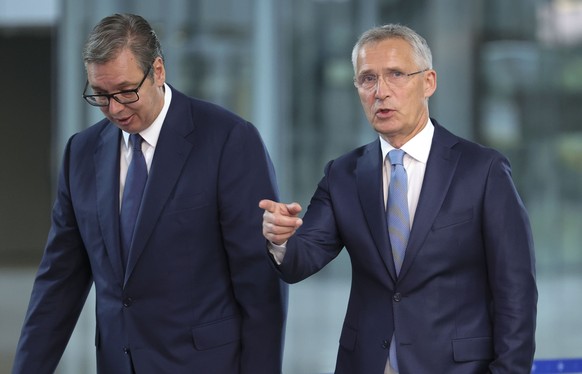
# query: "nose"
115, 106
382, 88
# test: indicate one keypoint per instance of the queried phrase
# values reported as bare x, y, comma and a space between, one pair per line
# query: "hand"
280, 221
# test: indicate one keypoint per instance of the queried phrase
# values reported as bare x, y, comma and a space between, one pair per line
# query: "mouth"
124, 121
384, 112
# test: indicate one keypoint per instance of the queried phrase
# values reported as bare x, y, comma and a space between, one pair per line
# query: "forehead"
389, 53
122, 69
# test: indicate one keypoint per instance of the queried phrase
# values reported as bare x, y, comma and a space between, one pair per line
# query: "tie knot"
395, 156
135, 140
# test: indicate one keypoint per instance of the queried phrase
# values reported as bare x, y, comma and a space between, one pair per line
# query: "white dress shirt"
416, 151
150, 140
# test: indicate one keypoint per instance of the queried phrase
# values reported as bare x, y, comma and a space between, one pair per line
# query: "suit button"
397, 297
127, 302
385, 344
126, 350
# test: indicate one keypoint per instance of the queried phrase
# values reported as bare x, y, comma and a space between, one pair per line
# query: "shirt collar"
418, 147
152, 133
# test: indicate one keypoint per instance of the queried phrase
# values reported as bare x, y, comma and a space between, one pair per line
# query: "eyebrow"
367, 71
384, 70
119, 87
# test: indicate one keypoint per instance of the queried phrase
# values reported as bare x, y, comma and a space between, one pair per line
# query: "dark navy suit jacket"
198, 295
465, 300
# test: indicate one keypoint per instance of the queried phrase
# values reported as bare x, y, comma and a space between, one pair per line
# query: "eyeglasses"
392, 78
122, 97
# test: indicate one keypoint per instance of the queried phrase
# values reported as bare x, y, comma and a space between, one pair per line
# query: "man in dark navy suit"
461, 298
193, 291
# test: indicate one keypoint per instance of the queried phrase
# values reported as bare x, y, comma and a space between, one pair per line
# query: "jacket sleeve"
511, 266
60, 288
246, 176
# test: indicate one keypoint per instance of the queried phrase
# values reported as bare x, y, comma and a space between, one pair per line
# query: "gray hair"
422, 53
117, 32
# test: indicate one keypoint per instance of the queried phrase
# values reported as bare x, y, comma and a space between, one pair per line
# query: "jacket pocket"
452, 219
186, 203
473, 349
216, 334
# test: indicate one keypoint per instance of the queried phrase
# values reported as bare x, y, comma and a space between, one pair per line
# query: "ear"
430, 83
159, 71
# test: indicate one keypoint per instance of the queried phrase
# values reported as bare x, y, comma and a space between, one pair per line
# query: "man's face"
396, 111
123, 73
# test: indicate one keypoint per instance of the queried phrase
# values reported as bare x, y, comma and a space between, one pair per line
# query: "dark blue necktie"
398, 221
135, 181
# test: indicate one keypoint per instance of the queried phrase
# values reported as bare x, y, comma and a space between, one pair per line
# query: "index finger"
268, 205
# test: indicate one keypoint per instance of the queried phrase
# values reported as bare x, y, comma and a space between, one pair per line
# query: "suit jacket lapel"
440, 168
369, 182
171, 153
106, 160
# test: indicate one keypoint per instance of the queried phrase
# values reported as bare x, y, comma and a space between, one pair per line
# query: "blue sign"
567, 365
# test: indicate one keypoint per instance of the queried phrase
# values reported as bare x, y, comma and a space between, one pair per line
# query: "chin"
386, 128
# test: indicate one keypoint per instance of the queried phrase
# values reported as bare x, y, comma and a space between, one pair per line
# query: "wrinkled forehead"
390, 53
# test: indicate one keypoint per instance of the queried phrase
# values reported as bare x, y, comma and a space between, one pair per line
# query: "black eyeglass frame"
91, 98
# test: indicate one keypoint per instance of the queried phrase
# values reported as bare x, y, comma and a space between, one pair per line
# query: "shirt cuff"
277, 251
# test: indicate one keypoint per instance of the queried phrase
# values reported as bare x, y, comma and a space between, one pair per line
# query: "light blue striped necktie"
398, 221
397, 208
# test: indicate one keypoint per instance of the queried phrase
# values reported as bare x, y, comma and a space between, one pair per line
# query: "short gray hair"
117, 32
422, 53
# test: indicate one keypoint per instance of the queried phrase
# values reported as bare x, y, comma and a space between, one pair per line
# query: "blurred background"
509, 76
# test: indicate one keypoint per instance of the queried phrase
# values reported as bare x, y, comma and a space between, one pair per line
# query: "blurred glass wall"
509, 76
